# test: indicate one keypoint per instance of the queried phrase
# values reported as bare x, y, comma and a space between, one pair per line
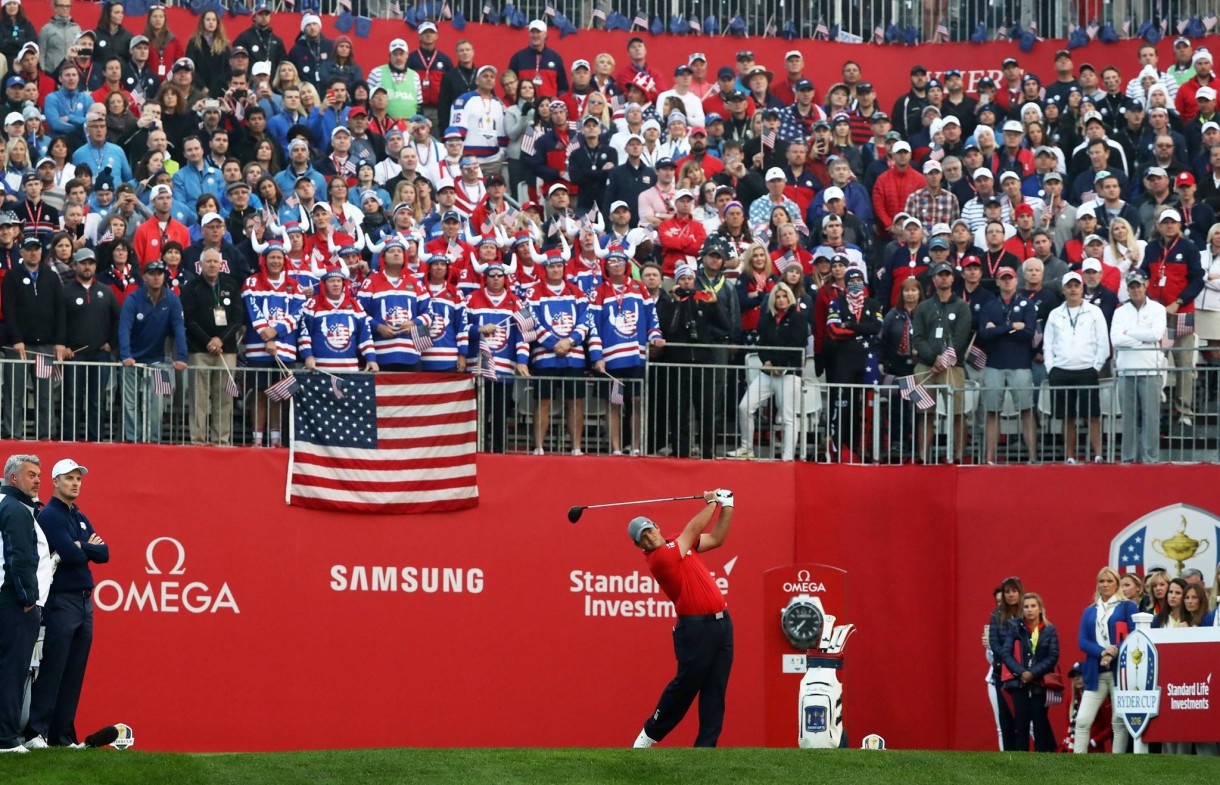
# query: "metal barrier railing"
844, 20
731, 409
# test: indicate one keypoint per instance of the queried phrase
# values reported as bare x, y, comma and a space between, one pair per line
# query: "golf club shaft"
644, 501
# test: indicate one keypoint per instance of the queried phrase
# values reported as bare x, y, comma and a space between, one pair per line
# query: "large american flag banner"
393, 443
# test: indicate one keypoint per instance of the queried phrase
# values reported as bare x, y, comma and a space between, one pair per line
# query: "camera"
85, 52
240, 95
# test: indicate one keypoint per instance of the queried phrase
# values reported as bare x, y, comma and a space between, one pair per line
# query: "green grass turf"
601, 766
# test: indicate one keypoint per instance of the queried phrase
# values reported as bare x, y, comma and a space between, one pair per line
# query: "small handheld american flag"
336, 388
163, 382
487, 361
942, 31
879, 34
422, 338
977, 358
45, 368
916, 393
346, 5
283, 389
550, 9
616, 393
948, 357
768, 138
770, 29
527, 324
1092, 29
821, 31
529, 140
232, 388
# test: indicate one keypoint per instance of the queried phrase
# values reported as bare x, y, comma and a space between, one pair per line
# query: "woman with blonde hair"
1132, 588
782, 330
1124, 251
596, 105
1156, 586
310, 99
208, 49
1207, 304
603, 74
286, 75
1103, 626
691, 176
1031, 652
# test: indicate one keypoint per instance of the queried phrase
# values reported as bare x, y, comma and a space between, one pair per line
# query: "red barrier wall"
886, 66
225, 609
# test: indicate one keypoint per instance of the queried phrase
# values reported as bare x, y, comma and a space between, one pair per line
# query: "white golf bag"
821, 704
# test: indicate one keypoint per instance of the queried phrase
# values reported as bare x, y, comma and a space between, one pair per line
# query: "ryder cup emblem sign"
1137, 696
1176, 537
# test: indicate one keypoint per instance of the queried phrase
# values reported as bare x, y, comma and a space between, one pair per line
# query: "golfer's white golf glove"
724, 497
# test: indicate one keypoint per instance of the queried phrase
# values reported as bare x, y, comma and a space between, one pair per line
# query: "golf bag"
821, 704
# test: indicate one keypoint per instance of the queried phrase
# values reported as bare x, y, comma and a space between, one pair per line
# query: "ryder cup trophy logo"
1137, 697
1176, 537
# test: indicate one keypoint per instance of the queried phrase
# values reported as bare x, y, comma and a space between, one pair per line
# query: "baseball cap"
683, 193
1085, 211
239, 51
982, 171
67, 465
1006, 272
1091, 265
209, 217
970, 260
1206, 92
831, 192
1179, 41
664, 163
157, 190
581, 63
1184, 178
940, 243
538, 25
1014, 126
637, 527
864, 87
556, 187
682, 68
805, 84
261, 68
1071, 276
1155, 171
1009, 174
830, 218
31, 241
1023, 209
775, 173
1046, 178
339, 129
1090, 116
1170, 215
900, 146
426, 27
878, 117
451, 215
941, 267
618, 204
951, 120
452, 132
155, 266
695, 57
84, 254
918, 69
1135, 277
725, 72
932, 166
237, 185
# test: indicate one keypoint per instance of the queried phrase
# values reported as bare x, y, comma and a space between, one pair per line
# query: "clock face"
802, 624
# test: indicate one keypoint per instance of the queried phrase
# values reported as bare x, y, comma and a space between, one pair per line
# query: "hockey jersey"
336, 336
482, 123
506, 344
397, 303
445, 329
561, 312
276, 305
624, 320
585, 273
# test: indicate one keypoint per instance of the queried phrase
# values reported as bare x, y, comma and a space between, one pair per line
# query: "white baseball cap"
683, 193
775, 173
582, 63
982, 172
426, 27
261, 68
1091, 265
1169, 215
399, 43
618, 204
1014, 126
538, 25
14, 117
1009, 175
1071, 276
209, 217
900, 146
832, 192
157, 190
1206, 92
932, 166
67, 465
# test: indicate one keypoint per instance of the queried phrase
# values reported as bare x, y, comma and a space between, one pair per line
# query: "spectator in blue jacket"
1103, 627
100, 154
68, 615
150, 315
20, 604
1006, 333
66, 107
196, 176
1031, 651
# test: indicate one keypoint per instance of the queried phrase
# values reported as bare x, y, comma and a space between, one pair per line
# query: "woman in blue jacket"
1102, 628
1031, 650
1007, 612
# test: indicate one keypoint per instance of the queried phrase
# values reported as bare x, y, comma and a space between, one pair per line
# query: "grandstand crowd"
270, 204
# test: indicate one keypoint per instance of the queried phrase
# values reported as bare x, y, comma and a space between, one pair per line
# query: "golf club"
574, 513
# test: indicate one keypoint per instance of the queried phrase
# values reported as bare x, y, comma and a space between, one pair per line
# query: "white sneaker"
1070, 461
539, 451
80, 745
643, 741
1186, 421
740, 452
36, 743
635, 453
19, 748
577, 453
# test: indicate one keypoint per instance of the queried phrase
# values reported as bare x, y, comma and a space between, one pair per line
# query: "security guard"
68, 615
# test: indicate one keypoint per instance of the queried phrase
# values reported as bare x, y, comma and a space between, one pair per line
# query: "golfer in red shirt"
703, 636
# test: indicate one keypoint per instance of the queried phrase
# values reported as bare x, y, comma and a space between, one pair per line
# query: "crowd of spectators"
264, 203
1025, 676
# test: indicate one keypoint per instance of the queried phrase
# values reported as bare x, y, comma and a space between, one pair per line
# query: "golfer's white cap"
637, 527
69, 465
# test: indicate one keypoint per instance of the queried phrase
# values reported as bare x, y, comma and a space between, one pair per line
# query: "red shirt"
686, 581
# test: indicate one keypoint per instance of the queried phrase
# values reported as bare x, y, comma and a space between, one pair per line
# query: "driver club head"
574, 513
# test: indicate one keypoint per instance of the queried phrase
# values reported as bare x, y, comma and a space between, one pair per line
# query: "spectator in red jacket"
1186, 102
681, 236
894, 186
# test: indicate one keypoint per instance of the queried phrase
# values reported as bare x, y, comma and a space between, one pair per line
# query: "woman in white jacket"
1136, 332
1207, 304
1124, 251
